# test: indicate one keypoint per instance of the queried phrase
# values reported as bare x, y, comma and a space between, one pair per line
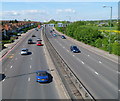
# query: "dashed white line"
30, 66
73, 55
68, 50
29, 79
100, 62
96, 73
88, 55
31, 58
83, 62
119, 90
11, 66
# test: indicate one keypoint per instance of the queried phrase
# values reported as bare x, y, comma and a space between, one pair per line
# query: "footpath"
11, 45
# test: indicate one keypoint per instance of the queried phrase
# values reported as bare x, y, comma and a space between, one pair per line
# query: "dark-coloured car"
75, 49
30, 41
33, 36
63, 37
42, 76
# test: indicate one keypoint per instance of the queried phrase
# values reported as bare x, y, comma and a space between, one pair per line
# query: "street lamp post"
110, 27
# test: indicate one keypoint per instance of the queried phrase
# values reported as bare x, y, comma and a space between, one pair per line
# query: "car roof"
41, 71
73, 46
24, 49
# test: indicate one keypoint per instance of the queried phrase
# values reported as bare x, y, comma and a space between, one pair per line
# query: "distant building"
62, 25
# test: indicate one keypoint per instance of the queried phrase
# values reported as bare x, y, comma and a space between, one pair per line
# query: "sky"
67, 11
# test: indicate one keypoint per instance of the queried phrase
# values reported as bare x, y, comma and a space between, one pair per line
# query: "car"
36, 29
30, 41
51, 31
63, 37
74, 49
54, 35
42, 76
39, 43
24, 51
33, 36
38, 39
19, 34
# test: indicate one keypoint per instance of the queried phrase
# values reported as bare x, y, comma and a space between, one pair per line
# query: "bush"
98, 43
116, 48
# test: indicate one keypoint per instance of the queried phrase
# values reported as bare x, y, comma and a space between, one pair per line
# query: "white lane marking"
68, 50
119, 90
96, 73
30, 66
29, 79
73, 55
31, 58
88, 55
15, 58
63, 47
100, 62
3, 80
83, 62
11, 66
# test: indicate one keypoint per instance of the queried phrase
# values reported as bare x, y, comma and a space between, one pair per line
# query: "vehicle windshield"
75, 47
24, 50
42, 74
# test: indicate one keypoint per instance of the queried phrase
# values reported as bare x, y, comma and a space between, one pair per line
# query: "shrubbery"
92, 36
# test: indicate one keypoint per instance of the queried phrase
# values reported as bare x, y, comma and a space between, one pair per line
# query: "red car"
39, 43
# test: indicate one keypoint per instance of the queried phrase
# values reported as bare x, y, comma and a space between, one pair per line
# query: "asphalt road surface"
20, 81
98, 74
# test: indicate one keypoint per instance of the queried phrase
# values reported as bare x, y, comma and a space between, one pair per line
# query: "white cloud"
23, 12
65, 11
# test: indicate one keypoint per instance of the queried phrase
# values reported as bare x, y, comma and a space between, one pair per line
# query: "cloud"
65, 11
23, 12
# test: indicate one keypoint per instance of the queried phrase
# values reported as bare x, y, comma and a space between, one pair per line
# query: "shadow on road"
20, 75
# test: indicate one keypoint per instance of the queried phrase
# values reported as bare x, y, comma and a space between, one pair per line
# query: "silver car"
24, 51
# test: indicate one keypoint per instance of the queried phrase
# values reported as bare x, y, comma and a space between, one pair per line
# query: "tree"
116, 48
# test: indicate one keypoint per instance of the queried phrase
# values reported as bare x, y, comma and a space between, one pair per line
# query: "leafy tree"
98, 43
116, 48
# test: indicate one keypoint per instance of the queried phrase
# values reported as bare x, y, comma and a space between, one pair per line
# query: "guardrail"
67, 73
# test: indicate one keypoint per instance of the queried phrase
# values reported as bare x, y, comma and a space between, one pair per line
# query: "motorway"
98, 74
20, 81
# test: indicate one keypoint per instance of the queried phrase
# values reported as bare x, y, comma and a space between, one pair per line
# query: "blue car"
42, 76
75, 49
63, 37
